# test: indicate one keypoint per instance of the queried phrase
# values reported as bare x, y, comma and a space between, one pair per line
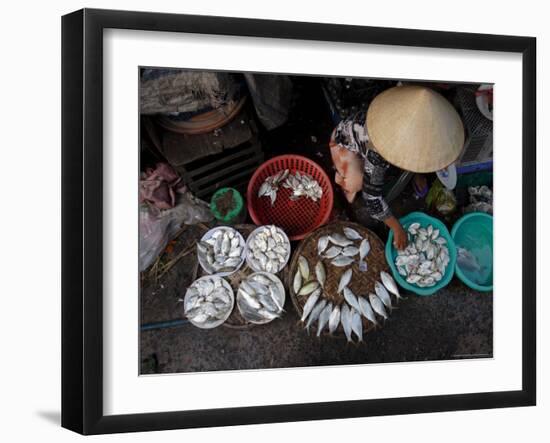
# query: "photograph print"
292, 221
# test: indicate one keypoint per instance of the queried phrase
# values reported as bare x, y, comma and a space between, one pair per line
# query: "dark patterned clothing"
351, 134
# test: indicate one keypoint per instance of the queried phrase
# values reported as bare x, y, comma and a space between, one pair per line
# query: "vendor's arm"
377, 207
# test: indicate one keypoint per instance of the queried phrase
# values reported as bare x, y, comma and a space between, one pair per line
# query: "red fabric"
158, 186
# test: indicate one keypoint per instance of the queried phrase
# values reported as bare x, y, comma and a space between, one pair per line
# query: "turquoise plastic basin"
391, 253
474, 232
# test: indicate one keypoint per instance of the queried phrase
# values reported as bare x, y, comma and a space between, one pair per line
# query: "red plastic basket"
299, 217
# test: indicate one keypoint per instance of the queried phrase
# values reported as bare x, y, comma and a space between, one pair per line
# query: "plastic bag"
157, 228
441, 198
467, 261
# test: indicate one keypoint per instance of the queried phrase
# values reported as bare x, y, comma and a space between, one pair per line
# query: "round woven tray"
361, 283
235, 320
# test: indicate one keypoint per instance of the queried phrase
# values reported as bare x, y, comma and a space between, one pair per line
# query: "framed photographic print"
253, 209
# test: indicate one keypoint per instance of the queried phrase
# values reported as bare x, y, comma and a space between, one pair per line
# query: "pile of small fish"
208, 302
349, 314
259, 298
222, 251
344, 249
424, 261
301, 185
268, 249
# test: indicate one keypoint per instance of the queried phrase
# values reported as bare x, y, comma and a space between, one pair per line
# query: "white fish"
297, 283
308, 288
341, 261
334, 319
413, 228
378, 306
351, 298
315, 312
322, 244
364, 249
389, 283
383, 294
366, 310
345, 279
320, 273
303, 265
323, 318
345, 318
310, 303
352, 234
340, 240
357, 325
350, 251
333, 251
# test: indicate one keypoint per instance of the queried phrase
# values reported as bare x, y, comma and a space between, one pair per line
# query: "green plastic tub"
474, 232
391, 253
223, 199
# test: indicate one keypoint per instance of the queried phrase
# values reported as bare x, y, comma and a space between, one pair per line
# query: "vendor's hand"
400, 239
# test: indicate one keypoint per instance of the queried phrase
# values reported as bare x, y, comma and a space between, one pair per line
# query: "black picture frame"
82, 218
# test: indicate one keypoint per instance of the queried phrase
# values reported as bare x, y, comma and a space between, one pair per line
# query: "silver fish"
366, 310
345, 318
340, 240
322, 244
308, 288
320, 273
345, 279
350, 251
383, 294
341, 261
352, 234
304, 267
310, 303
364, 249
351, 298
297, 283
315, 312
378, 306
334, 319
413, 228
357, 325
389, 283
323, 318
333, 251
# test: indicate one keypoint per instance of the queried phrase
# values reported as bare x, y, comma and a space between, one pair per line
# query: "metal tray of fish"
208, 302
267, 249
338, 293
261, 298
221, 251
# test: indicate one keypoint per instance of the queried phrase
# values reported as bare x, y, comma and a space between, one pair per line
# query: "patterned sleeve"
352, 135
373, 183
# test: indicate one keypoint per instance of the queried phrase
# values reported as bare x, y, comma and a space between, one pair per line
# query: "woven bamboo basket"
362, 282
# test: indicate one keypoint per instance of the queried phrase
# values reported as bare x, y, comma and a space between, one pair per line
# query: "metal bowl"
242, 243
248, 252
281, 293
213, 324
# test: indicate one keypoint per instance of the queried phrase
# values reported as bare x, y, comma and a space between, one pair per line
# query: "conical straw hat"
415, 128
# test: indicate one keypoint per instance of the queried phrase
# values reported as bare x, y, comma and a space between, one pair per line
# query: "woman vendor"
411, 127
